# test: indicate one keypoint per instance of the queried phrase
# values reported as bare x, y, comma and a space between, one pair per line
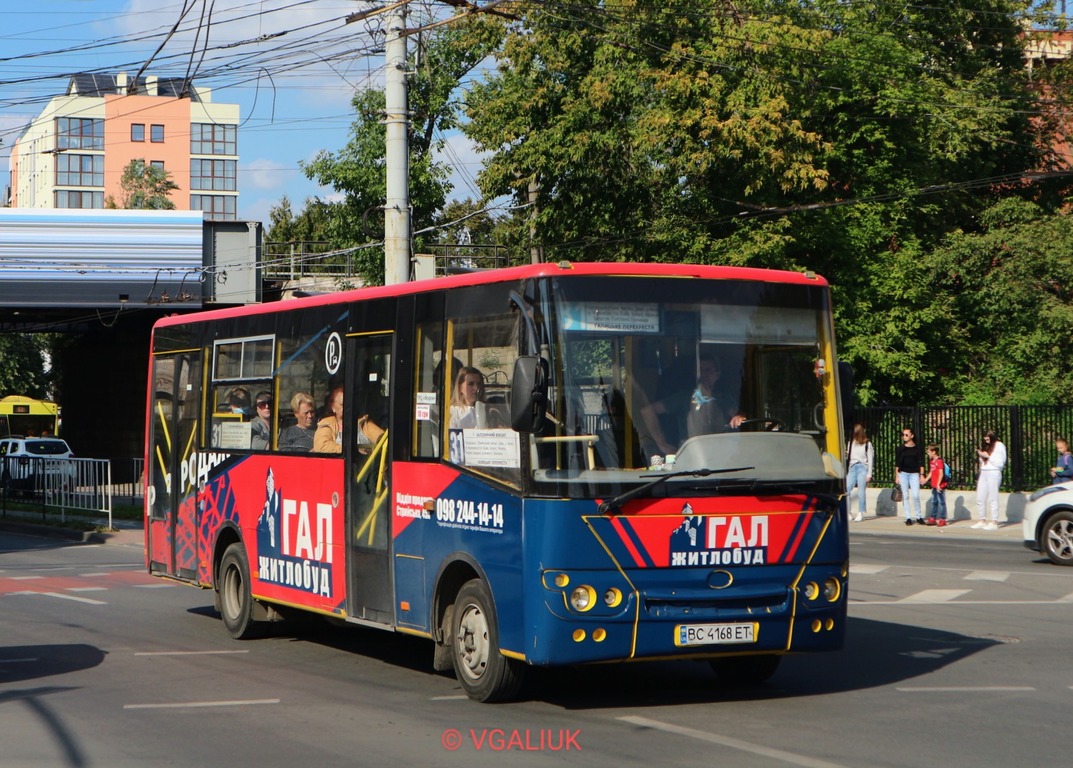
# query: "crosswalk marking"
934, 596
988, 576
865, 569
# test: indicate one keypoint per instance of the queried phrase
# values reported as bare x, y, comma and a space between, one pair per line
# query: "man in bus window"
299, 437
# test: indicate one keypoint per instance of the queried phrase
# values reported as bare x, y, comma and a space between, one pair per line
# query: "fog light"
817, 625
561, 580
579, 635
583, 597
812, 590
612, 597
599, 635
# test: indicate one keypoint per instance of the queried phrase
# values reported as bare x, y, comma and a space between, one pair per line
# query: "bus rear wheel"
484, 672
236, 602
744, 671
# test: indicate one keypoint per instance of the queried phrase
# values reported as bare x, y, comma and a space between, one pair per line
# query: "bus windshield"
670, 375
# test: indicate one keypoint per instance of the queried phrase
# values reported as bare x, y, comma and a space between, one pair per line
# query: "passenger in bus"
467, 401
704, 410
261, 426
238, 401
299, 437
329, 434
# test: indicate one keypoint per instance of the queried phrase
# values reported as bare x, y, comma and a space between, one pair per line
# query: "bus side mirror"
529, 394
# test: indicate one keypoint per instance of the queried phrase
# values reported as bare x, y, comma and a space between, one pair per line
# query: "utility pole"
397, 158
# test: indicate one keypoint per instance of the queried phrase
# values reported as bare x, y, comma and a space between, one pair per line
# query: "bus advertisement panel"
539, 466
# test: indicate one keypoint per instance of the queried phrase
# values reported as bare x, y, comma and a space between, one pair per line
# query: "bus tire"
235, 600
745, 671
484, 673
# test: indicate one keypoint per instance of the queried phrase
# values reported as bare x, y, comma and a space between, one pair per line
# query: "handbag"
896, 494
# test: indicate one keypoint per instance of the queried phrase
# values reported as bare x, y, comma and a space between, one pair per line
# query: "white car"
1048, 523
22, 458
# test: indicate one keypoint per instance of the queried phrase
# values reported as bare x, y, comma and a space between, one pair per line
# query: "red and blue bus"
546, 465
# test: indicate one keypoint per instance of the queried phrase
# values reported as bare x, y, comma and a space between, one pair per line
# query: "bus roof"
484, 277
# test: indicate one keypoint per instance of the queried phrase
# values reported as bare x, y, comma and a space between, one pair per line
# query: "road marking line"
25, 578
159, 585
910, 601
935, 596
462, 696
184, 705
987, 576
87, 589
726, 741
184, 653
72, 597
1067, 599
964, 688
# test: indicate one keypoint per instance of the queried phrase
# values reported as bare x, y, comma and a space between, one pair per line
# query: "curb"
54, 532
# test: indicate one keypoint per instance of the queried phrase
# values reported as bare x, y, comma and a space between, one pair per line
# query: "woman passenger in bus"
299, 437
261, 426
467, 402
329, 436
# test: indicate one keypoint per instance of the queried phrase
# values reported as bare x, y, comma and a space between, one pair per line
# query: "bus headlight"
612, 597
582, 598
832, 589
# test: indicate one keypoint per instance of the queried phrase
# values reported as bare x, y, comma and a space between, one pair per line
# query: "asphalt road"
957, 655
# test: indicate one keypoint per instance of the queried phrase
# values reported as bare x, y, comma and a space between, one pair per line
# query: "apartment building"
74, 153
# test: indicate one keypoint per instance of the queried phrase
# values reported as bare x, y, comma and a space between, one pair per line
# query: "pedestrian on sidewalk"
908, 473
859, 462
1062, 471
937, 481
992, 456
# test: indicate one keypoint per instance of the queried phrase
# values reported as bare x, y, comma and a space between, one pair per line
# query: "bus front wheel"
484, 672
743, 671
236, 602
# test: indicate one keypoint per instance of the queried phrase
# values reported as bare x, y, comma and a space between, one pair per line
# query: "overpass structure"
66, 269
103, 277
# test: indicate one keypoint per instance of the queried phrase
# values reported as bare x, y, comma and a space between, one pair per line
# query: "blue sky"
292, 66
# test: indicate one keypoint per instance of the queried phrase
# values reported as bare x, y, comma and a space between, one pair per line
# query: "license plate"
714, 634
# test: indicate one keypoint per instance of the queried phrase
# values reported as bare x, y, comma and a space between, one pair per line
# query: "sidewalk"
884, 517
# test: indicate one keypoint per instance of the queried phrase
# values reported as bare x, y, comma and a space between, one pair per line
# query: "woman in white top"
992, 455
859, 457
467, 401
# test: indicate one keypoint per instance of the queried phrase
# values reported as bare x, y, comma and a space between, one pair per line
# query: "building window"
219, 207
156, 133
137, 132
79, 171
156, 164
211, 139
215, 175
69, 198
79, 133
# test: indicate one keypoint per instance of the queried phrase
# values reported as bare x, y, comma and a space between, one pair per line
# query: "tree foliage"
358, 169
145, 187
22, 364
845, 138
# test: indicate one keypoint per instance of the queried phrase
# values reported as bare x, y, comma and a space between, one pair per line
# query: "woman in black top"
908, 472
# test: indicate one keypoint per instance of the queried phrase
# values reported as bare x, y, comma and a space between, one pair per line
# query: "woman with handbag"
908, 473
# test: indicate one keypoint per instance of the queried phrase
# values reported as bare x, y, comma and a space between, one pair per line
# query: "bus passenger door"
172, 492
368, 406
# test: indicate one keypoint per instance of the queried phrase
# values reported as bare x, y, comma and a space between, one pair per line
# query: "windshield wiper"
642, 490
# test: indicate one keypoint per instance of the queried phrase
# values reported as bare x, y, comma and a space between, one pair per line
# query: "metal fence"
56, 486
1028, 432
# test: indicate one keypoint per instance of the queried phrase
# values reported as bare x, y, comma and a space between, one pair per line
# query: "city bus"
27, 417
517, 474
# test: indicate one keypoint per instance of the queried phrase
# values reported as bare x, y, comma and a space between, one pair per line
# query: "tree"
358, 169
844, 138
22, 364
145, 187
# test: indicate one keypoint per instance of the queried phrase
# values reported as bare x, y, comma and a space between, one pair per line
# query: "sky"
292, 66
